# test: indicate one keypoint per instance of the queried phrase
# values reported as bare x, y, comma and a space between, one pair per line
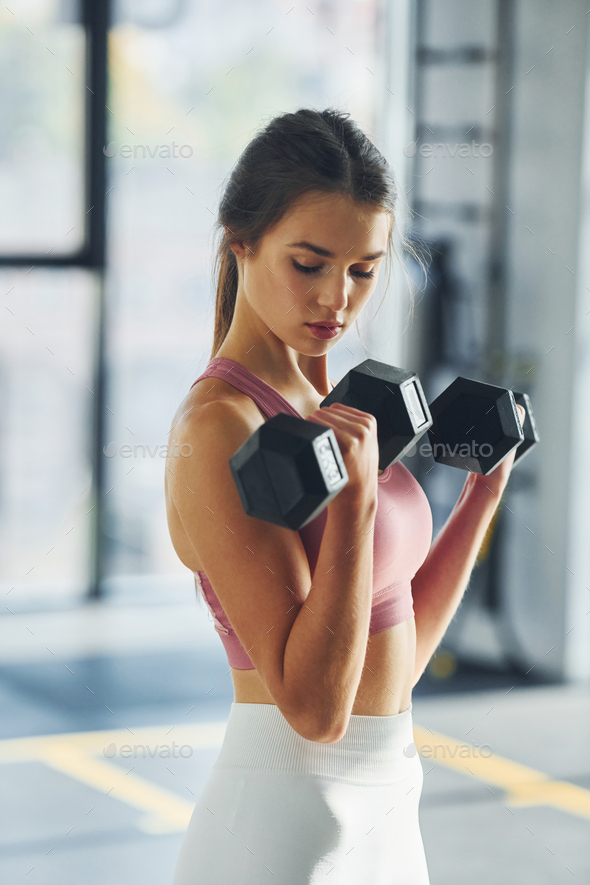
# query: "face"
313, 272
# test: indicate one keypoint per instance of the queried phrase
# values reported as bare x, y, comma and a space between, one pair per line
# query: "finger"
337, 422
349, 409
354, 415
351, 425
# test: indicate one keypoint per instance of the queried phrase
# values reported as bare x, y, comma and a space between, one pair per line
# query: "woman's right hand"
356, 435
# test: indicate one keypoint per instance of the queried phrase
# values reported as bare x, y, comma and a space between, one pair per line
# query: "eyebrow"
327, 254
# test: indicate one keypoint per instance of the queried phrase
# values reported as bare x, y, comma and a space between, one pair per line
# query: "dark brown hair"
295, 153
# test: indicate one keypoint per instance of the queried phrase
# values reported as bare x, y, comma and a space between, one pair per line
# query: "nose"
331, 291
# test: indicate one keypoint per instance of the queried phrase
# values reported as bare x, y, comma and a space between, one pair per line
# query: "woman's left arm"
441, 581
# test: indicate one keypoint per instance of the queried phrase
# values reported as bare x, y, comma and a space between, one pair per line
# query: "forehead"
334, 221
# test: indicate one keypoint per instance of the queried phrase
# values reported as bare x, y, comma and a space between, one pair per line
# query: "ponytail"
227, 288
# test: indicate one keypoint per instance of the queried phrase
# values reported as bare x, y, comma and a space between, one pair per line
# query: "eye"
362, 274
303, 268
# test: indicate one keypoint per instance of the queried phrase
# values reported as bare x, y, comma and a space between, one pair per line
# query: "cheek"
269, 293
371, 287
363, 294
289, 289
295, 284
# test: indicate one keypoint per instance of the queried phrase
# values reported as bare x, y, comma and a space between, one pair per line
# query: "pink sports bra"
401, 538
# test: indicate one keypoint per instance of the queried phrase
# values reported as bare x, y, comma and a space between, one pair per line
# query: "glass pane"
46, 345
184, 107
41, 128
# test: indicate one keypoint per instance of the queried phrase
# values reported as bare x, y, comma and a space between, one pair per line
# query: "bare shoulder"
209, 426
191, 411
213, 418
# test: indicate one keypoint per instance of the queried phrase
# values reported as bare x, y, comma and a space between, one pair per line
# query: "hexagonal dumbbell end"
531, 434
396, 399
474, 425
288, 471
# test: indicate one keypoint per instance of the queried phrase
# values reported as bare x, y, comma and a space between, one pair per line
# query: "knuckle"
359, 434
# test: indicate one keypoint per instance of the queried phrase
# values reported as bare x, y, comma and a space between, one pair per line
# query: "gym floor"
107, 740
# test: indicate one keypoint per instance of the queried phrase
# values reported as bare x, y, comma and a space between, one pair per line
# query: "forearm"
326, 649
440, 583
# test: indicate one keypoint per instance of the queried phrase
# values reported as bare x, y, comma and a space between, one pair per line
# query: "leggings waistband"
374, 749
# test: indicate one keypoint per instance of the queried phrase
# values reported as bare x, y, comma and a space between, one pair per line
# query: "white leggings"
277, 808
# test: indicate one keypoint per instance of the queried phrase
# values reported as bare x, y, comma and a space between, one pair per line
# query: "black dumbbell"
476, 425
290, 469
395, 398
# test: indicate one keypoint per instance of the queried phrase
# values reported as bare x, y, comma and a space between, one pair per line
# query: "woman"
327, 629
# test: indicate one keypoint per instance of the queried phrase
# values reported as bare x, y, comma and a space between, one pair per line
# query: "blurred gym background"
119, 123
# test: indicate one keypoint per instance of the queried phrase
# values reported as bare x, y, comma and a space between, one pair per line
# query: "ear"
239, 249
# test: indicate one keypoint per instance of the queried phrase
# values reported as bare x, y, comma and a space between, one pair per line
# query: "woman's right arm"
308, 645
325, 651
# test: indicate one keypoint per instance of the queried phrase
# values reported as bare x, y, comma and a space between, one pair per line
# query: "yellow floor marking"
167, 811
200, 735
524, 786
80, 756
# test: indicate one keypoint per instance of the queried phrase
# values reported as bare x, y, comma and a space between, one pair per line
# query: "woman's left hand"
494, 483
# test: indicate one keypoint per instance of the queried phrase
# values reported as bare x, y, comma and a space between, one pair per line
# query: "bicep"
259, 571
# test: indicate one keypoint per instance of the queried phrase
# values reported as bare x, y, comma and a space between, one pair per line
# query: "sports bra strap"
269, 400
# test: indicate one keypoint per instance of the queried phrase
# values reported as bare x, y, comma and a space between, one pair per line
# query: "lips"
324, 330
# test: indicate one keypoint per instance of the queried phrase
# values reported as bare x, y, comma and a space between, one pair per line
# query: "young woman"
327, 629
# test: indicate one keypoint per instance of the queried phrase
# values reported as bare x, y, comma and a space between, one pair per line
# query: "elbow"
333, 737
315, 729
328, 729
313, 718
324, 736
328, 736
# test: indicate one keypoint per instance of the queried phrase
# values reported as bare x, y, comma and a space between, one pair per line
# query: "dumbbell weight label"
327, 461
412, 398
288, 471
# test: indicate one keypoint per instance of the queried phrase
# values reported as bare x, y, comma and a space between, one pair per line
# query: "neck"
250, 343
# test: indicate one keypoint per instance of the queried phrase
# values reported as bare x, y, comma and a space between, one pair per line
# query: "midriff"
385, 688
